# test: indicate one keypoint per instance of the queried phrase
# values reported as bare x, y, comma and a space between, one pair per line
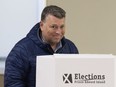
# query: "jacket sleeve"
16, 68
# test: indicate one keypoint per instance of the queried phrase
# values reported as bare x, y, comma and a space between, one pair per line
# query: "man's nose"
58, 30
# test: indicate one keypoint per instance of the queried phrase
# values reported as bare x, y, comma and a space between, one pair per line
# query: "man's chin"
56, 41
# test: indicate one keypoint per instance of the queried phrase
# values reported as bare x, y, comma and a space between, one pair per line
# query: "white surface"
103, 65
47, 68
17, 17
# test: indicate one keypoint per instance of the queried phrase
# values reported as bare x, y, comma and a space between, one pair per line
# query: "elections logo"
67, 78
79, 78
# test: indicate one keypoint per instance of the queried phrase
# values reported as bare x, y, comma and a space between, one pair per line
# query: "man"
45, 38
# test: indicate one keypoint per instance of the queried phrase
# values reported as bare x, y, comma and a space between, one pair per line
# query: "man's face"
53, 29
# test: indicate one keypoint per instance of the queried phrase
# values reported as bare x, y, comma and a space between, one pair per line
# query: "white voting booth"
75, 70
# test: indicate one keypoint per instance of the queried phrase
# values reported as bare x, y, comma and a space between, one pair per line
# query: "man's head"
54, 11
53, 24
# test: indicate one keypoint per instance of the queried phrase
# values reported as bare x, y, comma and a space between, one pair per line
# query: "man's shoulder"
23, 41
68, 41
23, 44
70, 45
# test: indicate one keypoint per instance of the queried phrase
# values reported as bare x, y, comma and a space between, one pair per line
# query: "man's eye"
54, 27
62, 27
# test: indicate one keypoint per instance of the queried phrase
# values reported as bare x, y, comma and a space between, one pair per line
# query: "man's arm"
16, 68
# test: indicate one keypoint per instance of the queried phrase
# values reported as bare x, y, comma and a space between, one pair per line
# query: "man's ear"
41, 25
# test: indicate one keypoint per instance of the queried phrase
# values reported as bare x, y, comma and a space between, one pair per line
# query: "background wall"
1, 81
16, 19
90, 24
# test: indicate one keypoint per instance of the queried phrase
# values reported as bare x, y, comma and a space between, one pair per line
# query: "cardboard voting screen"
76, 70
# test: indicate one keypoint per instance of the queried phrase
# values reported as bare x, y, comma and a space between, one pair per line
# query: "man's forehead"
48, 17
57, 24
